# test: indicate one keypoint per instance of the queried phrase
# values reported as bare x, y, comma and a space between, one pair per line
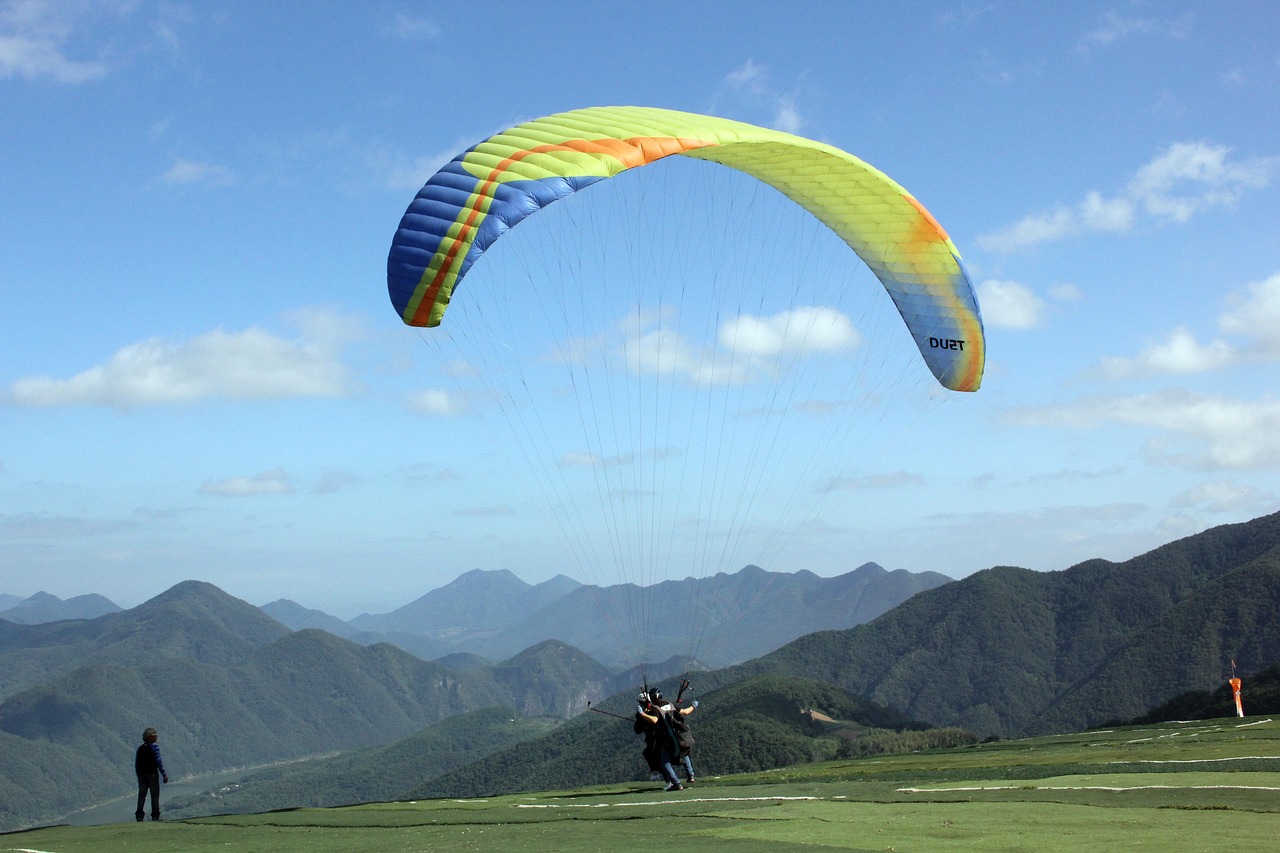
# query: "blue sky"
201, 375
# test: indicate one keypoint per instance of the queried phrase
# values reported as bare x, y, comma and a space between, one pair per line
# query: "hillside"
1173, 787
752, 725
371, 774
1009, 651
1260, 695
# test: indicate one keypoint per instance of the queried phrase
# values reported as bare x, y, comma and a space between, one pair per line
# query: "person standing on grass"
150, 769
660, 745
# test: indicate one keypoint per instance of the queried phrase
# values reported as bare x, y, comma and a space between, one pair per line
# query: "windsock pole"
1235, 690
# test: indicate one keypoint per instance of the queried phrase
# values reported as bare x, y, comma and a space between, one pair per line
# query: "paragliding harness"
679, 725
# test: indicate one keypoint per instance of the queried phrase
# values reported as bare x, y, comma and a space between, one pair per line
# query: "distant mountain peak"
487, 577
46, 607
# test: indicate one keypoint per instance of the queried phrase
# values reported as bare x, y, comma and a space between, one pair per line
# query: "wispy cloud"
1194, 430
272, 482
411, 27
49, 526
484, 511
1117, 27
253, 364
1222, 496
1184, 180
36, 43
886, 480
438, 403
185, 172
331, 482
754, 81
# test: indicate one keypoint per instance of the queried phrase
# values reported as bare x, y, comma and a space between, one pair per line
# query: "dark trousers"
148, 782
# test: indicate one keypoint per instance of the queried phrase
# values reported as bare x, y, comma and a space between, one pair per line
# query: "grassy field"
1175, 787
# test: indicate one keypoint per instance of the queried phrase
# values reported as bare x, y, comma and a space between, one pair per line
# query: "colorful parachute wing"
491, 187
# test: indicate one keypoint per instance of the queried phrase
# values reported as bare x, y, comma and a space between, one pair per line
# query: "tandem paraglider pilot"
662, 742
150, 769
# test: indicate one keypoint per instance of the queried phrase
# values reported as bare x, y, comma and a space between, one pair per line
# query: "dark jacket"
147, 760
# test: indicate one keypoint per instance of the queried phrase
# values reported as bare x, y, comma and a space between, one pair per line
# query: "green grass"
1173, 788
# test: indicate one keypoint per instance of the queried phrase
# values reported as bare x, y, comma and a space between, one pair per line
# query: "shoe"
690, 781
675, 786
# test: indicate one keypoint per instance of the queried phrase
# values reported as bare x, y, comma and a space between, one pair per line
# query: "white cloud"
1191, 176
1037, 228
1009, 305
581, 459
1192, 430
1180, 353
1184, 180
1257, 315
249, 365
1104, 214
800, 330
272, 482
436, 402
35, 43
664, 352
788, 117
1222, 497
411, 28
748, 76
189, 172
747, 346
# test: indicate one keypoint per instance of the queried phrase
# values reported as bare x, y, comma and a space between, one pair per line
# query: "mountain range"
1005, 651
723, 619
1010, 651
43, 607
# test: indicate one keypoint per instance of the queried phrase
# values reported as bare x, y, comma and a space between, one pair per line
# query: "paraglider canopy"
484, 191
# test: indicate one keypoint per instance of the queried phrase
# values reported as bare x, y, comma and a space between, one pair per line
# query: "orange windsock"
1235, 691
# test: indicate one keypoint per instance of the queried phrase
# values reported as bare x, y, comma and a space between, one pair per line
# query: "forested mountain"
192, 621
477, 601
229, 687
1010, 651
742, 615
297, 617
43, 607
